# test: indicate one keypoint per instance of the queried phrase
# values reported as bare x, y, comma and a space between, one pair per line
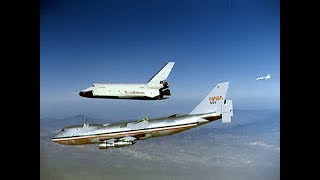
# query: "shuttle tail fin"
215, 102
162, 74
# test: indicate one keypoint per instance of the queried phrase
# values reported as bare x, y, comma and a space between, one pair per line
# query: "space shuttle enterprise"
155, 89
213, 107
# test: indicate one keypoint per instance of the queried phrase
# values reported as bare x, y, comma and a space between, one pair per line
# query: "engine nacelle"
166, 92
116, 144
165, 84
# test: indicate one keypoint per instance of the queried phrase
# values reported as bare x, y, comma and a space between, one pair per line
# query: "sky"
124, 41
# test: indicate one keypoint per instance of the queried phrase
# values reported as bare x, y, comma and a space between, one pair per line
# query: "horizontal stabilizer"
227, 111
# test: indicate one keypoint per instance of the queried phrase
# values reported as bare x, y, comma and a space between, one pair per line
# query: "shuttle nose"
81, 93
86, 94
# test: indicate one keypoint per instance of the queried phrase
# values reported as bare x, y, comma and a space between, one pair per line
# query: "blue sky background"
126, 41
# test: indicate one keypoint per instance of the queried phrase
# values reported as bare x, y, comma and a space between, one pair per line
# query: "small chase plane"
264, 77
155, 89
213, 107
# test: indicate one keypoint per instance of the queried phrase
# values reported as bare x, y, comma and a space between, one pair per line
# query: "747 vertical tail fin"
215, 102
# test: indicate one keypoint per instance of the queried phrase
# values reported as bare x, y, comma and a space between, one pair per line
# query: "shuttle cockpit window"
93, 85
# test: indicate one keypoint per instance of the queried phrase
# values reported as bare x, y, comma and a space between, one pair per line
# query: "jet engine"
164, 91
165, 84
115, 144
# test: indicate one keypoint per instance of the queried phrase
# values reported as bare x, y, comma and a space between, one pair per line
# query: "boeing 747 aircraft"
213, 107
155, 89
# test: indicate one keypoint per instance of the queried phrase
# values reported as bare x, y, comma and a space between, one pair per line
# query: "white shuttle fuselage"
127, 91
155, 89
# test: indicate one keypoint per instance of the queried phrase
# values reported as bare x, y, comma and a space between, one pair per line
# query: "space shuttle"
155, 89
